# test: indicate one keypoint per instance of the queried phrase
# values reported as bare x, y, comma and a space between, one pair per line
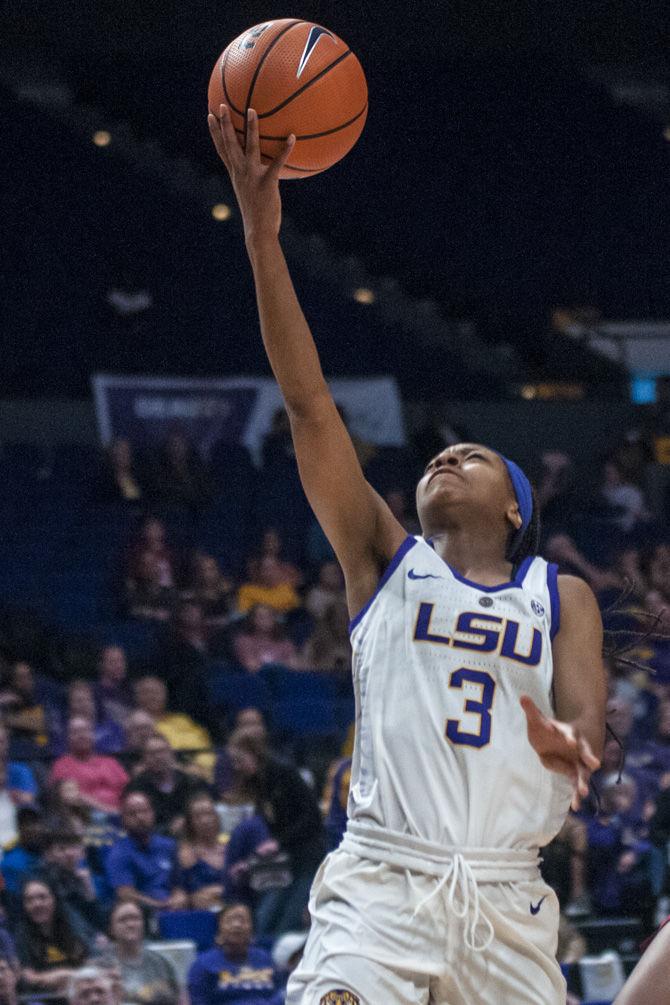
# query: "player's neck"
473, 556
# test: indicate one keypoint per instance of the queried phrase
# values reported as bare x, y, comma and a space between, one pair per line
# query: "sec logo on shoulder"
538, 608
340, 997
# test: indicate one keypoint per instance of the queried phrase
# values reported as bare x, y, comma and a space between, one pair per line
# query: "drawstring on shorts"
462, 879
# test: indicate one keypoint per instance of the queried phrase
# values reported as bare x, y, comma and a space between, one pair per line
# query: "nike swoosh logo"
314, 35
415, 575
534, 908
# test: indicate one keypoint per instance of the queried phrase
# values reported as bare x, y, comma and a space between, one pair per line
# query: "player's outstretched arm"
357, 522
572, 743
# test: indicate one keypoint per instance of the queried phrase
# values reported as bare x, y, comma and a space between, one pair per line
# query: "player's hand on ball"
256, 185
561, 747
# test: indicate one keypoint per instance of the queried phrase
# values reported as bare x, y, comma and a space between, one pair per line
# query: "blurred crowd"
135, 808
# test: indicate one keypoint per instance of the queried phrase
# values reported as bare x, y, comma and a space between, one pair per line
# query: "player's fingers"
587, 756
533, 714
555, 763
583, 775
281, 158
232, 148
252, 143
217, 138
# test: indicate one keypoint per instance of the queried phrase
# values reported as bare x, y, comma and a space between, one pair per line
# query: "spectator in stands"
234, 972
564, 867
67, 808
654, 754
9, 978
179, 729
146, 597
658, 571
152, 538
111, 690
263, 640
329, 647
272, 546
624, 499
119, 479
47, 942
292, 814
139, 727
328, 587
619, 867
8, 808
555, 491
108, 736
201, 854
234, 790
30, 711
184, 659
141, 867
562, 549
252, 720
147, 977
210, 590
628, 566
180, 477
268, 588
101, 779
18, 778
91, 985
167, 787
23, 856
249, 842
63, 866
192, 633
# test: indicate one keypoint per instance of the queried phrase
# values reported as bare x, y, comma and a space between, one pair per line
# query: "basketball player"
480, 694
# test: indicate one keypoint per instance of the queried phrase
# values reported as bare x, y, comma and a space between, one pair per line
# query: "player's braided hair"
530, 541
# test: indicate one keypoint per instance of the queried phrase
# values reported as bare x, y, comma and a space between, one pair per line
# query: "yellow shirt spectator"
269, 588
280, 598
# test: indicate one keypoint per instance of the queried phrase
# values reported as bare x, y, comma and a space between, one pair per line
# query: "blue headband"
524, 497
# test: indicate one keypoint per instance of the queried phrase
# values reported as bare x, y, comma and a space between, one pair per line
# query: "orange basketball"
300, 78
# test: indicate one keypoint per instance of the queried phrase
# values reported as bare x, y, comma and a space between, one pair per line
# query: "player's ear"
513, 516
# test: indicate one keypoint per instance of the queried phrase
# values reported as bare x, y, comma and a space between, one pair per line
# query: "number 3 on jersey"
482, 708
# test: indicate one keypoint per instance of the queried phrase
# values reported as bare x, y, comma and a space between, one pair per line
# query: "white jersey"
441, 751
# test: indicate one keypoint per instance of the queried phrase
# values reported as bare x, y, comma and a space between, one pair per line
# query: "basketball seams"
267, 52
318, 76
314, 136
224, 63
291, 167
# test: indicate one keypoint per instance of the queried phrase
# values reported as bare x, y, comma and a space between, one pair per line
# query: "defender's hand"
256, 185
561, 747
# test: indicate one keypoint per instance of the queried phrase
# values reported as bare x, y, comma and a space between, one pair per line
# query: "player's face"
469, 479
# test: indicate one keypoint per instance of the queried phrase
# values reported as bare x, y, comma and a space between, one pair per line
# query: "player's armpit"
580, 680
359, 525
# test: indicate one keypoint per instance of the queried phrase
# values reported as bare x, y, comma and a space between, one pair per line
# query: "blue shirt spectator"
244, 841
21, 780
142, 866
233, 973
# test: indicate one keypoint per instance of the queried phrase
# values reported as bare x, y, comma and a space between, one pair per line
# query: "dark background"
499, 176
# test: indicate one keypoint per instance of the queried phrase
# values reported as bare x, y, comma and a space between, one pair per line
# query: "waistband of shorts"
488, 865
